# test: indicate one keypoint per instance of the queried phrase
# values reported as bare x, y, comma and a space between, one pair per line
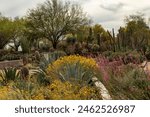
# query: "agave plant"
42, 78
75, 73
9, 74
73, 68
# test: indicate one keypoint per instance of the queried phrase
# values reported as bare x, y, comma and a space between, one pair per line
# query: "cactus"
24, 73
38, 56
112, 39
25, 60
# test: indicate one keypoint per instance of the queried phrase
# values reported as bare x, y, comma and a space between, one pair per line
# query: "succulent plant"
24, 72
9, 74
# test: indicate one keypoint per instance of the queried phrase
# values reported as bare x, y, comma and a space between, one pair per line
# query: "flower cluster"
70, 91
72, 67
57, 90
86, 62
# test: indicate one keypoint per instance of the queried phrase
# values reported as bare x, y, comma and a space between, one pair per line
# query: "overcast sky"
108, 13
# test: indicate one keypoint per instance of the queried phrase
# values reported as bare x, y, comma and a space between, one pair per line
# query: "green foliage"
137, 31
3, 53
25, 45
95, 48
41, 78
71, 40
11, 30
9, 74
10, 57
58, 19
75, 73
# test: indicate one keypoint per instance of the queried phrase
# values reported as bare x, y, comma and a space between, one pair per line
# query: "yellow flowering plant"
59, 90
73, 68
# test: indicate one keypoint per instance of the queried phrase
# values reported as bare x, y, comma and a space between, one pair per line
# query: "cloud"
109, 13
17, 7
112, 7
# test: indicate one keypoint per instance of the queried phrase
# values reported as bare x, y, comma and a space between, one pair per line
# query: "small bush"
129, 82
95, 48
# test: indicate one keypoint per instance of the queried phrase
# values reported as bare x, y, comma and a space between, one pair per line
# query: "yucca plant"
9, 74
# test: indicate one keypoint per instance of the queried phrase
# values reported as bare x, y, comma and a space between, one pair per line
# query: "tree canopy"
55, 18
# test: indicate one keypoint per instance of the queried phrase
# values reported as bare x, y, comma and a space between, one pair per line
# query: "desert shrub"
5, 93
127, 57
45, 47
70, 49
95, 48
62, 46
84, 51
11, 57
71, 40
70, 91
78, 48
57, 90
73, 68
107, 53
129, 82
133, 57
3, 52
25, 45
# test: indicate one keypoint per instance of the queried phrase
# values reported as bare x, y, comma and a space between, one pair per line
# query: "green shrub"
71, 40
95, 48
3, 52
11, 57
25, 45
62, 46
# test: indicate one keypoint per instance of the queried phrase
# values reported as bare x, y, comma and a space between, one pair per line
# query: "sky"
109, 13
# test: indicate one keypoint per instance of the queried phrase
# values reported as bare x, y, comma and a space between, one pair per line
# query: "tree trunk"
54, 43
